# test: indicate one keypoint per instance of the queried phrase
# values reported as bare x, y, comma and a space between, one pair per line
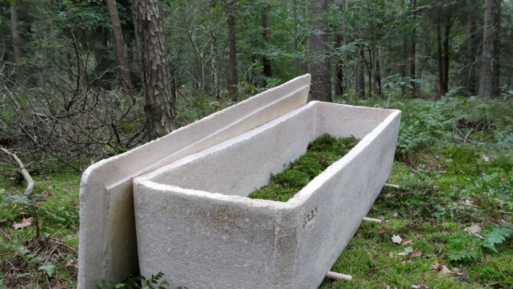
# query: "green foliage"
497, 235
321, 153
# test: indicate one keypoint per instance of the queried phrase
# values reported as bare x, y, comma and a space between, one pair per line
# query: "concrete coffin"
195, 224
107, 244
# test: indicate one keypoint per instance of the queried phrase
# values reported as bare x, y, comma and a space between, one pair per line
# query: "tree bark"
377, 72
360, 78
268, 72
339, 67
160, 100
441, 78
446, 57
320, 66
16, 41
497, 48
471, 51
487, 85
233, 79
413, 52
120, 44
213, 50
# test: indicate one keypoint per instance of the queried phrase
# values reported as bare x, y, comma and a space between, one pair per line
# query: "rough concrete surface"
107, 244
195, 223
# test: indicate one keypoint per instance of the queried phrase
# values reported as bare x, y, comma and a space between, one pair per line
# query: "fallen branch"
24, 173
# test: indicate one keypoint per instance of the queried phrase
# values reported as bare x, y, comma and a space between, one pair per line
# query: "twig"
24, 173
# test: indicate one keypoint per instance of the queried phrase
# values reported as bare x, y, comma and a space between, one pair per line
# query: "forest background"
82, 80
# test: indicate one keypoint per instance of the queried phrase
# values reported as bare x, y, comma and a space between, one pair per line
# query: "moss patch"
320, 154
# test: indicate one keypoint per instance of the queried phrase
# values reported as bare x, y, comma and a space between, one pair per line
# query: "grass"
320, 154
454, 164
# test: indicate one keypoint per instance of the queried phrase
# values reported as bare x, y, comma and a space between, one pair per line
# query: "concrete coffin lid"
107, 244
193, 215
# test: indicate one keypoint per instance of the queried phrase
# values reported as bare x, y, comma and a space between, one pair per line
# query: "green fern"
496, 236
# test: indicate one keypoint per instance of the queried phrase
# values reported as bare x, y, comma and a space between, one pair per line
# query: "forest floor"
449, 225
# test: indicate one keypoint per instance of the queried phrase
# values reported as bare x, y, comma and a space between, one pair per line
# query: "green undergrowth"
43, 251
320, 154
454, 209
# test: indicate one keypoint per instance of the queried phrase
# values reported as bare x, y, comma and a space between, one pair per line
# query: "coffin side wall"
335, 203
201, 242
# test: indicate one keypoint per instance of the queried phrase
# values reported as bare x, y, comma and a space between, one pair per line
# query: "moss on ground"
320, 154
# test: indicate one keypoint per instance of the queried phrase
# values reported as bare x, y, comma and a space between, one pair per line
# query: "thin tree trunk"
441, 77
487, 85
160, 100
413, 52
339, 68
497, 48
320, 66
471, 54
368, 64
344, 43
402, 66
296, 40
213, 50
268, 72
120, 44
16, 42
360, 77
446, 57
233, 79
377, 72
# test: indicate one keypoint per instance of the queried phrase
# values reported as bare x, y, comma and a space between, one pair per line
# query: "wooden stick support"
365, 219
392, 186
338, 276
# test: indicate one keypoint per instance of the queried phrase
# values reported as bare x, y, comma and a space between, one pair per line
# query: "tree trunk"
360, 78
339, 68
377, 72
413, 52
268, 72
497, 48
320, 66
344, 43
471, 51
446, 57
120, 44
213, 50
487, 85
16, 42
441, 77
402, 66
233, 79
160, 100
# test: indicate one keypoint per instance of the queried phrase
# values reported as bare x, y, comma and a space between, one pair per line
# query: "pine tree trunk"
360, 77
160, 100
446, 57
268, 72
16, 42
471, 51
320, 66
339, 68
487, 85
413, 45
441, 78
497, 48
233, 79
120, 44
213, 50
377, 72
